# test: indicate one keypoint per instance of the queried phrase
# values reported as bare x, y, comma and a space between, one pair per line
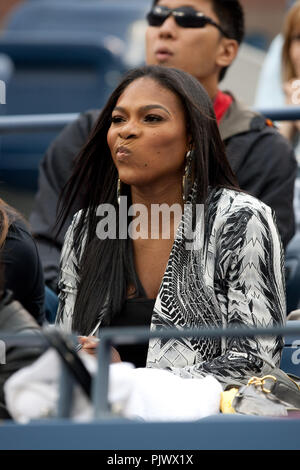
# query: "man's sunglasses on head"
186, 17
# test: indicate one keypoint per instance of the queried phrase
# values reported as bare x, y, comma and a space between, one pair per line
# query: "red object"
269, 123
221, 104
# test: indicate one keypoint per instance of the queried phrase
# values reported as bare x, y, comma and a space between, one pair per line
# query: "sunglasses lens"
155, 20
183, 17
191, 21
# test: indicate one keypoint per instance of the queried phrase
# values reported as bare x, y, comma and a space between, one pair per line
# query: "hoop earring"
119, 185
187, 176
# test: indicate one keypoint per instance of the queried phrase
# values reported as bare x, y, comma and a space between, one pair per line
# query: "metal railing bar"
66, 390
24, 340
129, 335
139, 334
291, 113
111, 336
101, 381
53, 122
35, 122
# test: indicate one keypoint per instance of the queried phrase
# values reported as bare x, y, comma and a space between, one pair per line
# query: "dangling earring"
119, 183
187, 176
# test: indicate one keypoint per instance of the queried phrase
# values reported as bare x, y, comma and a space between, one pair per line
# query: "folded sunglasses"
186, 17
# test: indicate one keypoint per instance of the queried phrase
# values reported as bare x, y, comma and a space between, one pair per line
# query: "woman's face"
147, 137
295, 52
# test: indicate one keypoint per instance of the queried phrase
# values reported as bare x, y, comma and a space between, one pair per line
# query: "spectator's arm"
68, 279
255, 298
269, 172
23, 274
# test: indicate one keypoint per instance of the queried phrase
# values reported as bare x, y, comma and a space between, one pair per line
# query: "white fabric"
147, 394
158, 395
269, 92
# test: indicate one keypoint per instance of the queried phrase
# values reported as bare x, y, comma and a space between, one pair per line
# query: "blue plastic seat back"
58, 69
292, 265
56, 76
290, 361
51, 76
6, 69
91, 17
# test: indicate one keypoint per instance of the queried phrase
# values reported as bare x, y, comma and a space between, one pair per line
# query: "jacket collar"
239, 119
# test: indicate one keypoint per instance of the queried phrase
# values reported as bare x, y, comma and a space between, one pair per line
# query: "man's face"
194, 50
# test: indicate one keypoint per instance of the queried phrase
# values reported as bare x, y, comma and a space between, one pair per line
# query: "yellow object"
226, 401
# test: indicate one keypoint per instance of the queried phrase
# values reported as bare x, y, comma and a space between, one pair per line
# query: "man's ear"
227, 52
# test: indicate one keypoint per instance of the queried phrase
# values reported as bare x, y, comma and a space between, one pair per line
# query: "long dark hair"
107, 266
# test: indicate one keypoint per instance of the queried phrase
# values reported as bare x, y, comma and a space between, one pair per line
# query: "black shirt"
23, 271
136, 312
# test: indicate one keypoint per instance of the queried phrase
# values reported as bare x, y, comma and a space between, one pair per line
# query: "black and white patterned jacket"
232, 275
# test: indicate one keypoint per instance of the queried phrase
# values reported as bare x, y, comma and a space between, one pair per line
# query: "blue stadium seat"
6, 68
51, 75
84, 18
292, 264
290, 361
61, 66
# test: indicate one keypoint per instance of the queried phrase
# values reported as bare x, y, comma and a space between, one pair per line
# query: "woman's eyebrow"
144, 108
154, 106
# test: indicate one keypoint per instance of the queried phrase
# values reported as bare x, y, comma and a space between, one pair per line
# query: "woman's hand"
90, 344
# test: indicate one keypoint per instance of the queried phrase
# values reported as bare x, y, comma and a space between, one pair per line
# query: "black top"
23, 271
136, 312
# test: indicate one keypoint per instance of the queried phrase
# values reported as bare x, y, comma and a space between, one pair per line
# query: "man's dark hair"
231, 16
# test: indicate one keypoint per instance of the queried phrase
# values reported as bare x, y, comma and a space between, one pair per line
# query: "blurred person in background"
290, 76
21, 268
201, 37
290, 84
20, 281
269, 90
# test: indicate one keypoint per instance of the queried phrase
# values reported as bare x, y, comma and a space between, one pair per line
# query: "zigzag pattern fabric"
232, 275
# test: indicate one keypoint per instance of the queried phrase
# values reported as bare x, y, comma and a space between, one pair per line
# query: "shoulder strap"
71, 359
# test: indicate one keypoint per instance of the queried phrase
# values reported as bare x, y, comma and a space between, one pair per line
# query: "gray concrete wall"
242, 77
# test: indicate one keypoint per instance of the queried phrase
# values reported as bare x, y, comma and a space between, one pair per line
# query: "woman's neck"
149, 195
166, 201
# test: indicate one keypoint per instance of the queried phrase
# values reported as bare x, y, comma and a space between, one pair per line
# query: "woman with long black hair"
157, 142
21, 284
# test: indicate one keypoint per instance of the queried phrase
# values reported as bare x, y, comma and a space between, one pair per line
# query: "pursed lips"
122, 152
163, 53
